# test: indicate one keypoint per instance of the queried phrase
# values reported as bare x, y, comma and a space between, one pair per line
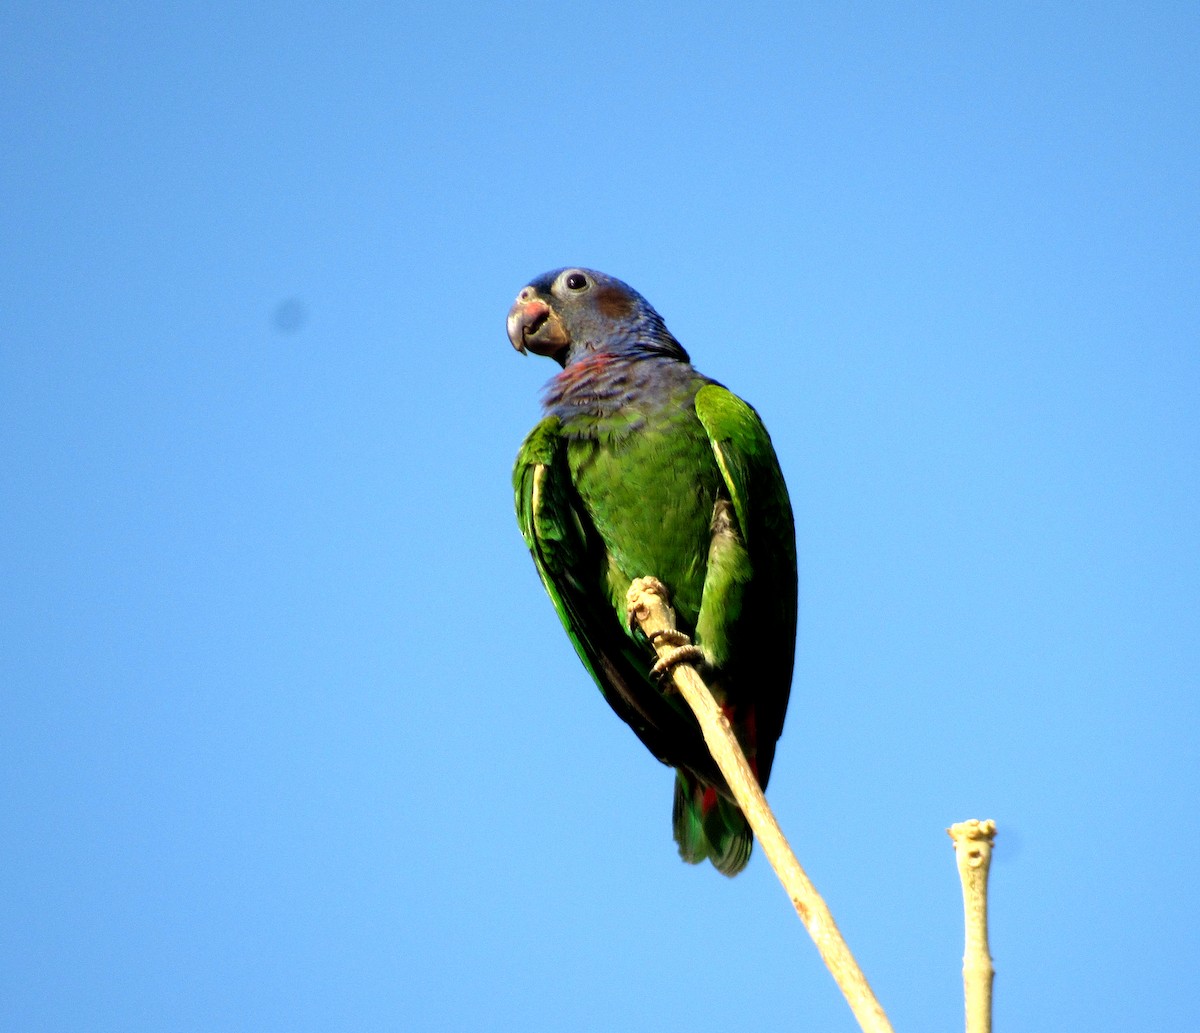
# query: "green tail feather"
721, 836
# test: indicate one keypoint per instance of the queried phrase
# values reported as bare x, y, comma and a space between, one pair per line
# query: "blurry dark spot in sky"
289, 316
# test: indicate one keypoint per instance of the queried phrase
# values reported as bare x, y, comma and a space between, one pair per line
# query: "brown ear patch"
613, 302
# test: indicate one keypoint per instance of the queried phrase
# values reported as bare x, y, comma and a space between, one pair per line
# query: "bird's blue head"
570, 314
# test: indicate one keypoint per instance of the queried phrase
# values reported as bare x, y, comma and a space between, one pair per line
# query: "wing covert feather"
752, 476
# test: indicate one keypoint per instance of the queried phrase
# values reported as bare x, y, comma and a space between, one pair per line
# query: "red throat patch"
583, 368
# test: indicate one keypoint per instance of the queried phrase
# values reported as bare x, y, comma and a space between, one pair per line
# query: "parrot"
643, 467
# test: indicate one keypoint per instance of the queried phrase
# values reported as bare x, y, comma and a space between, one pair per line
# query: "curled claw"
688, 654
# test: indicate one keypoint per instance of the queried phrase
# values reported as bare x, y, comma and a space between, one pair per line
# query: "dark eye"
577, 281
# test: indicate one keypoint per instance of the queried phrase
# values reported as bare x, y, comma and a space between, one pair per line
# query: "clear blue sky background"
290, 738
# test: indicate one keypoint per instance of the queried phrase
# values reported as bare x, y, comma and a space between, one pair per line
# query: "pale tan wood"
973, 842
648, 605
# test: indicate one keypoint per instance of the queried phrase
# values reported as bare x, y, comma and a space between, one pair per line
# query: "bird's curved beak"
534, 325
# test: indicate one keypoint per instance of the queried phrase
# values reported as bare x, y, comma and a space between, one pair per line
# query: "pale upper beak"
534, 325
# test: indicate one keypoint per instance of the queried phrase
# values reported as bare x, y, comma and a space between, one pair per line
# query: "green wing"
572, 562
763, 620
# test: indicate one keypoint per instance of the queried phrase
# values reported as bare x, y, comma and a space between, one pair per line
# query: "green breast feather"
596, 516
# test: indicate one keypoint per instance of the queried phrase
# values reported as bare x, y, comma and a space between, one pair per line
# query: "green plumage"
645, 467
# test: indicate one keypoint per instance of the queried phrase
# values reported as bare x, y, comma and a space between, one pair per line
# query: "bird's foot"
647, 605
681, 654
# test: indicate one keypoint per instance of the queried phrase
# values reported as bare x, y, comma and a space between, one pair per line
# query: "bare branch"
973, 849
647, 604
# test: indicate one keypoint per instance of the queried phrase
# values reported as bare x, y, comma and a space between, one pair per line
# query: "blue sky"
291, 738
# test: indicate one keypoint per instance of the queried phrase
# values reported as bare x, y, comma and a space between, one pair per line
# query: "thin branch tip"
973, 829
973, 842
